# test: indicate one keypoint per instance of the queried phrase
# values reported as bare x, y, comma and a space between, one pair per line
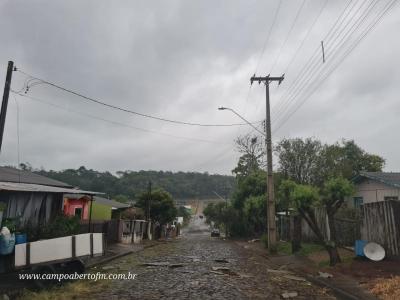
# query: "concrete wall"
373, 191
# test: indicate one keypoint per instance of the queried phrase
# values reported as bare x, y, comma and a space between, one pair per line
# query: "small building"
102, 209
77, 205
106, 209
375, 187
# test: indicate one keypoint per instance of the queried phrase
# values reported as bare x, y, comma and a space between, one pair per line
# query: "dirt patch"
365, 270
321, 258
386, 289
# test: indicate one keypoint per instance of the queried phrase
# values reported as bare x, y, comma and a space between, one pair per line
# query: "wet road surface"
196, 266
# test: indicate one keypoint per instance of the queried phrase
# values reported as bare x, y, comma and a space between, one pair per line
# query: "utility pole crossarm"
266, 79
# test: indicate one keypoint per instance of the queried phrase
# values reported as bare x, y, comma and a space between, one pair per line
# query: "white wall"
373, 191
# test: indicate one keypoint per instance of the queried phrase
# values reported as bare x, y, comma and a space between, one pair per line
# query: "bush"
61, 226
264, 240
3, 206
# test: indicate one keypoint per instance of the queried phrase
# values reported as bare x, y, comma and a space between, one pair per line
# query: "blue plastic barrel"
20, 238
359, 247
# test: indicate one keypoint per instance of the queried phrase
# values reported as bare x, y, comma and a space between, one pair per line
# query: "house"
101, 208
32, 198
105, 209
375, 187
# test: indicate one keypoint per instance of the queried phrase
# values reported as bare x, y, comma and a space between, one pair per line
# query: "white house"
375, 187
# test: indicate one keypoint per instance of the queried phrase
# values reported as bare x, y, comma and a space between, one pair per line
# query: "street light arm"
246, 121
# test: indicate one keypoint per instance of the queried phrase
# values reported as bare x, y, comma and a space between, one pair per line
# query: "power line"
309, 30
128, 110
386, 9
288, 35
117, 123
311, 74
309, 65
268, 35
307, 71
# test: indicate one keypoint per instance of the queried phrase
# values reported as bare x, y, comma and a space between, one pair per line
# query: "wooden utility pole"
4, 104
270, 179
148, 204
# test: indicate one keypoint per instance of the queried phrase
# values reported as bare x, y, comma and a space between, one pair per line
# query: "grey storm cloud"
181, 60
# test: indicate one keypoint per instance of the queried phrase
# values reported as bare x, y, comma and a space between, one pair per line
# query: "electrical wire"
268, 35
308, 79
118, 123
18, 137
309, 66
308, 72
309, 30
376, 21
288, 35
128, 110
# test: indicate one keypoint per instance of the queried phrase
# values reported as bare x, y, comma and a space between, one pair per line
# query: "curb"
337, 291
108, 259
111, 258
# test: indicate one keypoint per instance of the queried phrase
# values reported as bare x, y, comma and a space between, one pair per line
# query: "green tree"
255, 213
347, 159
334, 193
252, 157
309, 161
183, 212
162, 206
284, 193
299, 159
306, 198
253, 184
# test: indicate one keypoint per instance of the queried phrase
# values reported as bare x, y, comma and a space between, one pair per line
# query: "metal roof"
389, 178
8, 174
109, 202
28, 187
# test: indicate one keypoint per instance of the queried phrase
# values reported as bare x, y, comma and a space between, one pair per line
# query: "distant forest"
129, 184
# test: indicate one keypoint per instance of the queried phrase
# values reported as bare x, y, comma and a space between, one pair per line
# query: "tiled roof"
389, 178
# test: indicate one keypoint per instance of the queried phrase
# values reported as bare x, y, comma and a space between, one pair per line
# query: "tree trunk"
334, 257
332, 244
296, 234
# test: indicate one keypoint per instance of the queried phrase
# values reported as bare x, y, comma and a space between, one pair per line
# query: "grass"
306, 248
345, 260
81, 289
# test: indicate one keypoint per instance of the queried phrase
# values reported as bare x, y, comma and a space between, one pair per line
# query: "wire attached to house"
117, 123
90, 99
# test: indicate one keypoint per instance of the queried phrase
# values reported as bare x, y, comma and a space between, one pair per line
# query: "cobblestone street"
197, 266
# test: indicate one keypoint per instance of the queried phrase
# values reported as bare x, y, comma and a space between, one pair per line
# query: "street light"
227, 108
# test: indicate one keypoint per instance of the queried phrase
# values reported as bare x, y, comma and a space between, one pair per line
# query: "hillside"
129, 184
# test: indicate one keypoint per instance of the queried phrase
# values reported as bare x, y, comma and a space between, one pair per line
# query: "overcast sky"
181, 60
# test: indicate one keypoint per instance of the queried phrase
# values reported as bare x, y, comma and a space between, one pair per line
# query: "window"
389, 198
78, 212
358, 201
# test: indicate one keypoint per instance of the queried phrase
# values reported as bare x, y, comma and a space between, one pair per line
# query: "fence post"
295, 230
